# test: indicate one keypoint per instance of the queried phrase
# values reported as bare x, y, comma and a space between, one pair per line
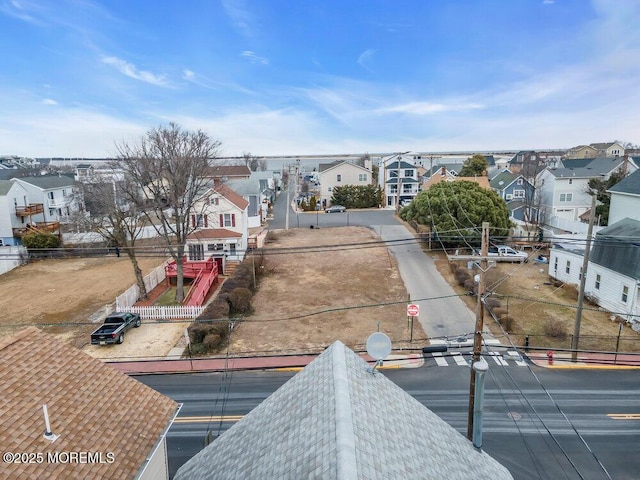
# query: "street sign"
413, 310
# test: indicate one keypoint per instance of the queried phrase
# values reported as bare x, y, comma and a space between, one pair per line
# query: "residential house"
339, 174
222, 227
529, 163
566, 260
338, 419
594, 150
519, 195
613, 275
227, 172
399, 180
563, 192
582, 151
449, 173
625, 199
54, 192
115, 425
259, 191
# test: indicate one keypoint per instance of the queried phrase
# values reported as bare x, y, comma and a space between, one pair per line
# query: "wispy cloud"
21, 10
548, 2
204, 82
365, 57
253, 58
130, 70
428, 108
49, 101
188, 75
239, 14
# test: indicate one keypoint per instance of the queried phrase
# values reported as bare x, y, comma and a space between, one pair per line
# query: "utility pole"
477, 335
398, 184
288, 206
585, 263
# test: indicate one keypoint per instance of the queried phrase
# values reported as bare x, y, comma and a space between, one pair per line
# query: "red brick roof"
230, 195
210, 233
92, 407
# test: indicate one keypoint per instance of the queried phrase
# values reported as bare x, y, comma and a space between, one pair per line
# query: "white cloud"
130, 70
428, 108
239, 14
49, 101
365, 57
253, 58
188, 75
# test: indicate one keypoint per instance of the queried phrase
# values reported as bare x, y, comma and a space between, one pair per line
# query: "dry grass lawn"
311, 297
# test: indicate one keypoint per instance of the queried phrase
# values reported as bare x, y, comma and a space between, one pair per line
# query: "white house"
54, 192
400, 180
339, 174
222, 226
563, 192
625, 199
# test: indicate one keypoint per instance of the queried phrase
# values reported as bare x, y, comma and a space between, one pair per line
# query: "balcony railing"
31, 209
50, 227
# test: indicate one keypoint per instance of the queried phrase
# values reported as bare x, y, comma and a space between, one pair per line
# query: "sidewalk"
586, 360
281, 363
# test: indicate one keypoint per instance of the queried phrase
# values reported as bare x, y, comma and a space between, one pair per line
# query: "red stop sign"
413, 310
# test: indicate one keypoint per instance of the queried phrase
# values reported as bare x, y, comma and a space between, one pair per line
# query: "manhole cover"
514, 415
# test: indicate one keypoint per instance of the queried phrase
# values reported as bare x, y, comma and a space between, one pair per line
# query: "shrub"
40, 240
470, 286
571, 290
498, 312
453, 267
461, 276
555, 329
492, 303
506, 321
240, 300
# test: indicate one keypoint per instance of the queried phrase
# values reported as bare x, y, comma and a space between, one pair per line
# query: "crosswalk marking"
439, 360
462, 359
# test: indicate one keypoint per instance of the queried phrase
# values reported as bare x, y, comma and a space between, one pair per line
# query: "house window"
52, 212
555, 265
394, 189
408, 173
214, 201
518, 194
570, 181
362, 177
625, 293
196, 252
597, 282
227, 220
520, 181
215, 247
199, 221
566, 197
232, 249
567, 269
407, 188
338, 178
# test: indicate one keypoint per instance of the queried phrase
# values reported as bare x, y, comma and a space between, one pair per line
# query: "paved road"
556, 424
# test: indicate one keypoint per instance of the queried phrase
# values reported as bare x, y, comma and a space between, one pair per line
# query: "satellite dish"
378, 346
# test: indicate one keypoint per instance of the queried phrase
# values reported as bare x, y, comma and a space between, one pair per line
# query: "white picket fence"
125, 300
166, 313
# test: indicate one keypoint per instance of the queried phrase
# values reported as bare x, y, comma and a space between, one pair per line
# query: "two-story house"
625, 199
519, 195
222, 227
594, 150
563, 192
339, 174
56, 194
400, 181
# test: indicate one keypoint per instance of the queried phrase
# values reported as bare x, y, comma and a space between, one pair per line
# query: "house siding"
609, 295
349, 175
623, 206
562, 256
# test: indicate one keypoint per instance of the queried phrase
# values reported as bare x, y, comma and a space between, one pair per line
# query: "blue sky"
275, 77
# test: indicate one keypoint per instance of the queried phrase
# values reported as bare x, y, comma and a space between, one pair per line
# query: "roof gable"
333, 165
629, 184
230, 195
92, 407
320, 425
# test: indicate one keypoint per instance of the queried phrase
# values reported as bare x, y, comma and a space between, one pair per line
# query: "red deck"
203, 272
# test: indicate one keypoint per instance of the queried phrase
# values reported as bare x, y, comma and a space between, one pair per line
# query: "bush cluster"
211, 329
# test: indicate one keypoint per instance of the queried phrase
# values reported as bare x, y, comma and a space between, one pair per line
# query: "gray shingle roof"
630, 184
50, 181
5, 185
618, 248
335, 420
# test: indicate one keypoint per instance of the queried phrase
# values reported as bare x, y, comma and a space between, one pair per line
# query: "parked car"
335, 209
113, 329
506, 254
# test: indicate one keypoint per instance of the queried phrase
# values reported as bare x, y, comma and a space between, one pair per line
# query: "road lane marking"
459, 359
207, 419
624, 416
437, 356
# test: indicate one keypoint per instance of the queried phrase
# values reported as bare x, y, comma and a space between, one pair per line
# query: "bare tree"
254, 163
115, 221
166, 168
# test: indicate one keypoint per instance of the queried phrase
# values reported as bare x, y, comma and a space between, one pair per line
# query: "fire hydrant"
550, 357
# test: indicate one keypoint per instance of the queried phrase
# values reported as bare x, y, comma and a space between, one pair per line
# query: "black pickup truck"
113, 328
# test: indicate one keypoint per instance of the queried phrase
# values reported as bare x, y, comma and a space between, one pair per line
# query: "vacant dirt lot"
64, 292
324, 285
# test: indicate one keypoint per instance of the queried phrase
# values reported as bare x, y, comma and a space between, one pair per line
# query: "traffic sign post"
413, 311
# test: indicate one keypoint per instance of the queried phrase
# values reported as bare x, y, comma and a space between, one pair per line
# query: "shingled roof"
336, 420
92, 407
